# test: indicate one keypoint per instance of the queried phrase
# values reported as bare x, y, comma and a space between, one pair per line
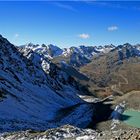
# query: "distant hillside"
117, 70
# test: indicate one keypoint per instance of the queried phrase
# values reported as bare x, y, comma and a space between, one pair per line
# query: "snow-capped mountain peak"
78, 56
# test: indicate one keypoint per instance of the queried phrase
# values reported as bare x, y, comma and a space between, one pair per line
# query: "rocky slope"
117, 70
35, 93
73, 133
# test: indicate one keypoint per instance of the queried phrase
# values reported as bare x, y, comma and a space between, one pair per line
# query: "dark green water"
133, 118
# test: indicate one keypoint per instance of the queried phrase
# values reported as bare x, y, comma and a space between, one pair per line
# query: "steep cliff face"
35, 93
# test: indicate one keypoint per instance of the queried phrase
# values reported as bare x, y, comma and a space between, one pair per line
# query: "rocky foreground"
72, 133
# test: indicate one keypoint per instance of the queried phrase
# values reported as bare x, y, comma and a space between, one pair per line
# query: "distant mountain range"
79, 56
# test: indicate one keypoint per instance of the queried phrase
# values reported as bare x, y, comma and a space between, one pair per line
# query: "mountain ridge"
75, 56
31, 96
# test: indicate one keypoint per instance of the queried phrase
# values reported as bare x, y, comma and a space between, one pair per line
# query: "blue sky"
70, 23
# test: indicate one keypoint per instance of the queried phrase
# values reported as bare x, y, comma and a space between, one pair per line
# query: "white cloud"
16, 35
65, 6
84, 36
112, 28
